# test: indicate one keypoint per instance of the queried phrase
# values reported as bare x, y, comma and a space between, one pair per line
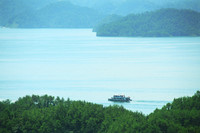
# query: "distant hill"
67, 15
48, 14
164, 22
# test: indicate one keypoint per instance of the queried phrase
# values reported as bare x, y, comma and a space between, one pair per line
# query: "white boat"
120, 98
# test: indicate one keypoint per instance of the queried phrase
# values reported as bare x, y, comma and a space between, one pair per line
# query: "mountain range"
78, 13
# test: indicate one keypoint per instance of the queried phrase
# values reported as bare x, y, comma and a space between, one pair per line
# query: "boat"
120, 98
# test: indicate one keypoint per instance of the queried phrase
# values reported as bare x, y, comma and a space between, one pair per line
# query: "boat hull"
117, 100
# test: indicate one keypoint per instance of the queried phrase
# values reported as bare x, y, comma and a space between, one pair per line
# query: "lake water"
75, 64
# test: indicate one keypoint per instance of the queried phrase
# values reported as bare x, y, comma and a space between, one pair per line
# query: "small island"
160, 23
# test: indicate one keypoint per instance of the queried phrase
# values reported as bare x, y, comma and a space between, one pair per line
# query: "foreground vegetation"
164, 22
46, 114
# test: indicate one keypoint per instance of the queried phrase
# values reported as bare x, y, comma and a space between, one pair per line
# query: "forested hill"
46, 114
163, 22
46, 14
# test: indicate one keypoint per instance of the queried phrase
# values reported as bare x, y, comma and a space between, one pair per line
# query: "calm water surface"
75, 63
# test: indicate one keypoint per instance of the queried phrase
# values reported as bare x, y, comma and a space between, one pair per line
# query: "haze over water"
75, 63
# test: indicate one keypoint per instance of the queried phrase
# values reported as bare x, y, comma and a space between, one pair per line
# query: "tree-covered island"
160, 23
46, 114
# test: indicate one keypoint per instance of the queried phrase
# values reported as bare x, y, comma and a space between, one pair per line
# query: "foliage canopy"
46, 114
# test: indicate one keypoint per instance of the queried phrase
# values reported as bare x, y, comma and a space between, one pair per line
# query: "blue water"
75, 63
